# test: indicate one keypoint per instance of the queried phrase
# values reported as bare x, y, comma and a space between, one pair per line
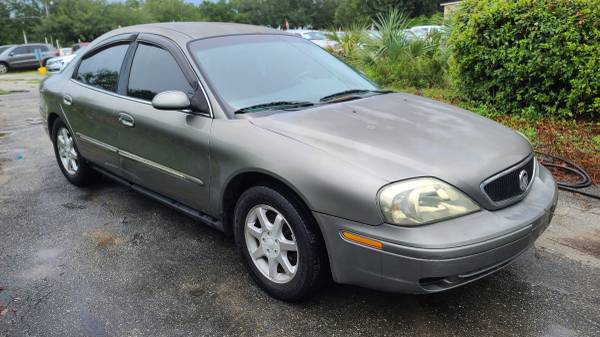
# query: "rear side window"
21, 50
101, 70
154, 70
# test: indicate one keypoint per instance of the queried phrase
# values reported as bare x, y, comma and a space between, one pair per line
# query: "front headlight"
423, 200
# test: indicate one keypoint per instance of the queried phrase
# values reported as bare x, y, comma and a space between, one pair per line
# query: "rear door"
90, 102
162, 150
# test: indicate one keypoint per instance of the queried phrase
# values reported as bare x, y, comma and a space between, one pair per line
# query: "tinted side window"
21, 50
154, 70
102, 69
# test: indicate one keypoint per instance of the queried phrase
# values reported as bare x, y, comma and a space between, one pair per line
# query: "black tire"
312, 264
84, 175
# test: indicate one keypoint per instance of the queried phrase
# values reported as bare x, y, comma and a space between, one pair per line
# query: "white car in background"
57, 64
316, 37
422, 32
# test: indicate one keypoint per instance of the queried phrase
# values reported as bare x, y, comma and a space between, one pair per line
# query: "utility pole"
24, 36
46, 8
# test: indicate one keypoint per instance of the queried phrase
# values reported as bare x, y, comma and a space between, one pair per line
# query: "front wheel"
279, 243
71, 163
3, 68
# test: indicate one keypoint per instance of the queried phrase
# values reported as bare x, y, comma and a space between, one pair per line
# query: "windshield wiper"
351, 94
275, 105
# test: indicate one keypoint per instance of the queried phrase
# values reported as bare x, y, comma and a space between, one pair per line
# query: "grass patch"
3, 92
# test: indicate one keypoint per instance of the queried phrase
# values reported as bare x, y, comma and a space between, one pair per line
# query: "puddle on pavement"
16, 91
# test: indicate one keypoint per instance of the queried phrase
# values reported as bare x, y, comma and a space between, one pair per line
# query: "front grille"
507, 185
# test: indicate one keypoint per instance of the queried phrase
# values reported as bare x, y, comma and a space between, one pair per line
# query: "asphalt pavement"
106, 261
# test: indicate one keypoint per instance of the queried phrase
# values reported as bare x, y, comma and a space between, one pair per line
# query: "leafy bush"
530, 57
397, 59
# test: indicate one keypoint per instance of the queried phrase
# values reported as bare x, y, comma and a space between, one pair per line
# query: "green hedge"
528, 57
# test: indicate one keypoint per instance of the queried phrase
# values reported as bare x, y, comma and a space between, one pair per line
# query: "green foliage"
530, 133
596, 140
349, 42
351, 12
397, 60
529, 57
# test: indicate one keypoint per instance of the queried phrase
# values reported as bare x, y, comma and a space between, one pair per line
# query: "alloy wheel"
271, 244
3, 68
66, 151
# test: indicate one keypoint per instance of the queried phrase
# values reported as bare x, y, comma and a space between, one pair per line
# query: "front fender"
326, 184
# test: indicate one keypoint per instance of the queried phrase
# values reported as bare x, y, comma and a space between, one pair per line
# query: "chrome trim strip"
160, 167
98, 143
131, 156
506, 202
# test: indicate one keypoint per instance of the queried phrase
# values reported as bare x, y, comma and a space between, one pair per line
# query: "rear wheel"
279, 243
73, 166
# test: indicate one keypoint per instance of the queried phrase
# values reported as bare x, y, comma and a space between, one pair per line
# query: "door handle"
126, 119
68, 100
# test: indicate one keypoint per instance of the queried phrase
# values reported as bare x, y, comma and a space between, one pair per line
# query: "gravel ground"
105, 261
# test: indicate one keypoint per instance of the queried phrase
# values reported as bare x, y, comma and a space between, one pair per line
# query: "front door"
162, 150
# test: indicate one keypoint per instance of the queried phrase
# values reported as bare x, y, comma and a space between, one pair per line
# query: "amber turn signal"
362, 240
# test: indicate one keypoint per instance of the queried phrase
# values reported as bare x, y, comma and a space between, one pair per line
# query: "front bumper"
442, 255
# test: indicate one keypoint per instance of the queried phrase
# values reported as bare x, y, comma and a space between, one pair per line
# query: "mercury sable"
315, 172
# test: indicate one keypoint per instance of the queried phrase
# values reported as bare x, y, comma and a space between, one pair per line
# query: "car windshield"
3, 48
248, 70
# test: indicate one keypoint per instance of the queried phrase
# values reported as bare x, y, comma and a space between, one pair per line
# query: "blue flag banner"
38, 54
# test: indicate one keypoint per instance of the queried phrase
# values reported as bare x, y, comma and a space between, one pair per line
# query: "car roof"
195, 30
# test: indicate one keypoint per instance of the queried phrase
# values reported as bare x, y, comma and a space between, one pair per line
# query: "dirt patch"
106, 239
589, 245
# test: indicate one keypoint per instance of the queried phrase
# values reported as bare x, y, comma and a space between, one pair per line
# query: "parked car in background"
374, 34
23, 56
79, 45
316, 37
5, 47
315, 171
57, 64
422, 32
65, 51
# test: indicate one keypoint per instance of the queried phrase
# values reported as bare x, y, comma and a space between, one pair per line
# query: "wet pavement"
106, 261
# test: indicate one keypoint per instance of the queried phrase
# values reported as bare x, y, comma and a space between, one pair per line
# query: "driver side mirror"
12, 53
171, 100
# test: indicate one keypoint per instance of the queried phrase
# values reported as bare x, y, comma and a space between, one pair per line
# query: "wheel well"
244, 181
52, 117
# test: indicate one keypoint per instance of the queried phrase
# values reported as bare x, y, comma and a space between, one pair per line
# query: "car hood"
398, 136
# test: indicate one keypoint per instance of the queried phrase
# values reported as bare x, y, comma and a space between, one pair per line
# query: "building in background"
449, 8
